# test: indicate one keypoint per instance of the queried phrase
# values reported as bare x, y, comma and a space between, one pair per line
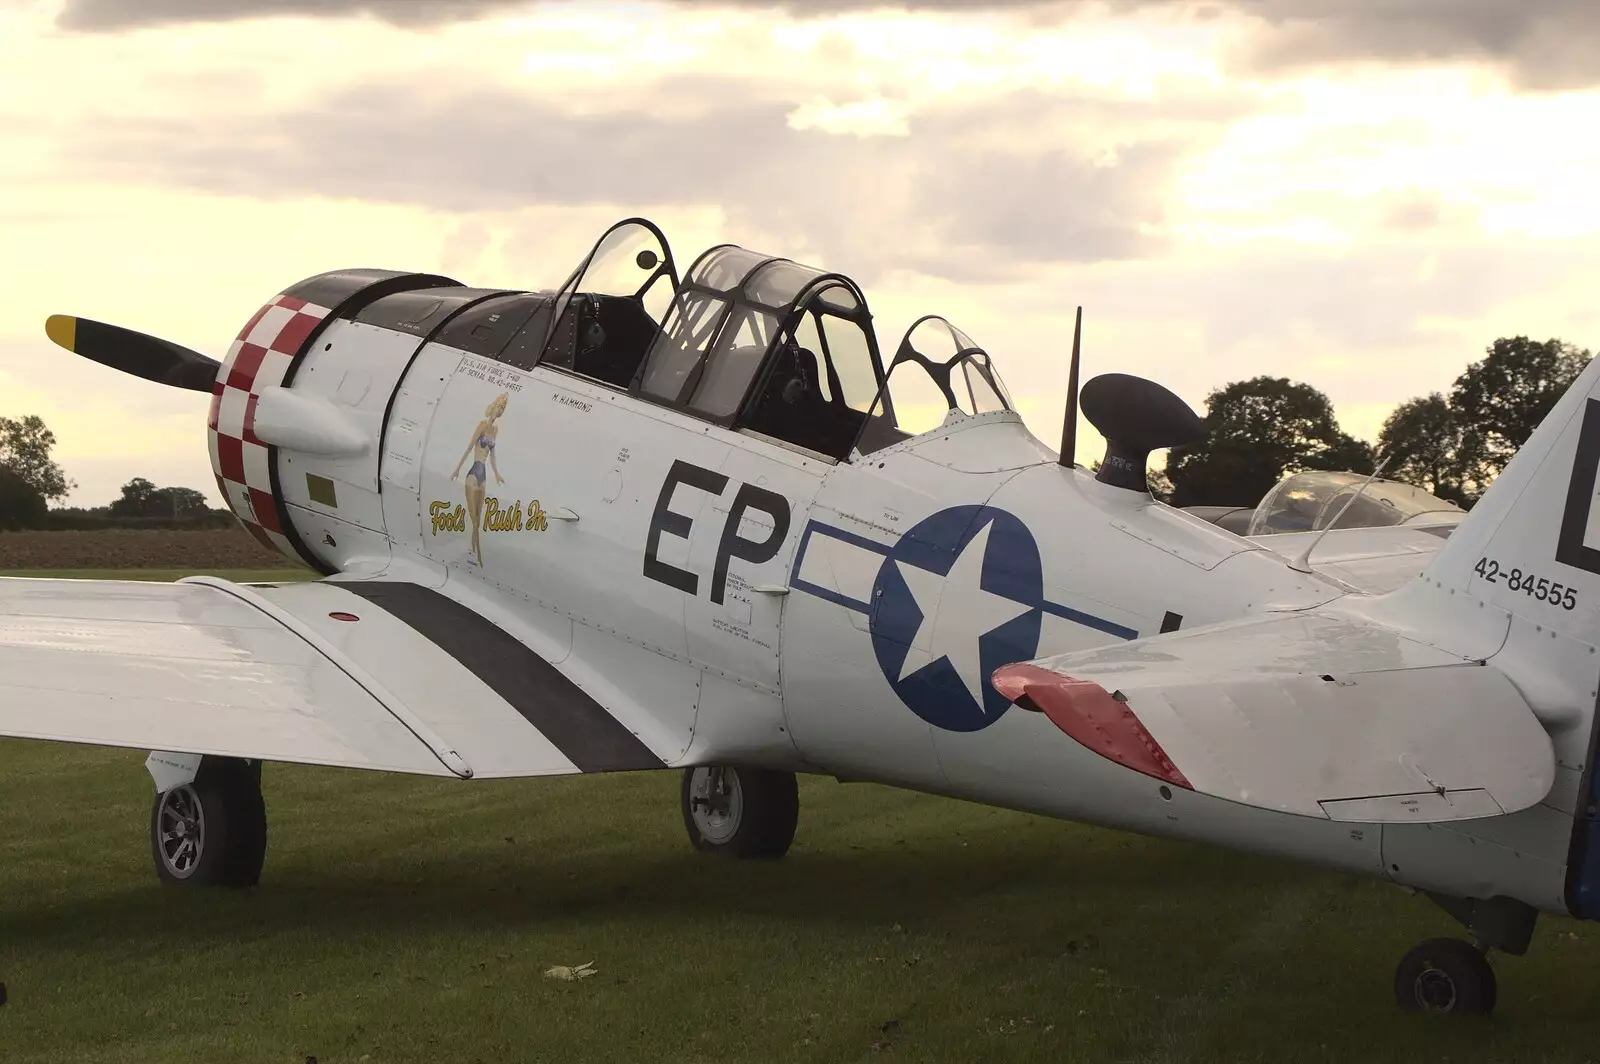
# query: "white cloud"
862, 118
1369, 233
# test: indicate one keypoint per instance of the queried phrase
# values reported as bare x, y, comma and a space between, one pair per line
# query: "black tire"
225, 805
768, 812
1445, 975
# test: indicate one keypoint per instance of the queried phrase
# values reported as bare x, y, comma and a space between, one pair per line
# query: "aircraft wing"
1308, 713
360, 674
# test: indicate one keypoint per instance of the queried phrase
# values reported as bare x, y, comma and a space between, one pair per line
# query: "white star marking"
951, 629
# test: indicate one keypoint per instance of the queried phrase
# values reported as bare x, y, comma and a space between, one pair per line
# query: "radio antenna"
1069, 426
1302, 564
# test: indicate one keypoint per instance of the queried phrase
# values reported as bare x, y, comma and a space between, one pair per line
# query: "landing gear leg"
1448, 975
741, 812
211, 830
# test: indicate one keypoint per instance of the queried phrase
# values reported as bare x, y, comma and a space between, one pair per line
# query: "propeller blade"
149, 357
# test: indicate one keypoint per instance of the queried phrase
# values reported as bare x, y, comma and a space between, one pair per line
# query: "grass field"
408, 919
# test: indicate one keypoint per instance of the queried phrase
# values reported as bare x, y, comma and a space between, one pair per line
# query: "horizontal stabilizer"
1302, 713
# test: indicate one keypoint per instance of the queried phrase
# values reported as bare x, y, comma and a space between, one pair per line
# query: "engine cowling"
320, 411
276, 408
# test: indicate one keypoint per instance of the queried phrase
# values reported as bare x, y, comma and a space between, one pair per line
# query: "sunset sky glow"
1357, 194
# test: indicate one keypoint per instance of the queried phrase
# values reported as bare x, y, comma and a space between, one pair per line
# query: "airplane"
1323, 511
1313, 499
645, 521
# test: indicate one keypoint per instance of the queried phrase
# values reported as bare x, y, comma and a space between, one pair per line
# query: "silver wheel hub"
181, 828
716, 802
1436, 991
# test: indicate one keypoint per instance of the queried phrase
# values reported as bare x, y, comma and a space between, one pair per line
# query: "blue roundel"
959, 595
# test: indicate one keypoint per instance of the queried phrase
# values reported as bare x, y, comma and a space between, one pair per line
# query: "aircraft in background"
1408, 524
1314, 499
646, 521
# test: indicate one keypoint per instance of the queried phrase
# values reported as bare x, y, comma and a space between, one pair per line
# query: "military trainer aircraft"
1312, 500
1407, 524
652, 521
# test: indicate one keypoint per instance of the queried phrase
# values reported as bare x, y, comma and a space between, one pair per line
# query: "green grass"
411, 919
237, 575
408, 919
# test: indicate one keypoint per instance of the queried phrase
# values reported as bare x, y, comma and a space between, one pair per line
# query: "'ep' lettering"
665, 520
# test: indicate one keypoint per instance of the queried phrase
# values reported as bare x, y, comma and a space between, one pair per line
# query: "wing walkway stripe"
581, 728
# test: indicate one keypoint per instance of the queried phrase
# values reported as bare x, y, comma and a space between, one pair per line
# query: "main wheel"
213, 831
1445, 975
743, 812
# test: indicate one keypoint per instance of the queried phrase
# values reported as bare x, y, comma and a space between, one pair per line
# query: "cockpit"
769, 346
756, 343
937, 374
605, 316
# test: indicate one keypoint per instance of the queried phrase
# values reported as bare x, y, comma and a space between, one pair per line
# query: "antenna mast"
1302, 564
1069, 426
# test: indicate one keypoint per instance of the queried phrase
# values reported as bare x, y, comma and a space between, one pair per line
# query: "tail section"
1457, 711
1518, 583
1531, 546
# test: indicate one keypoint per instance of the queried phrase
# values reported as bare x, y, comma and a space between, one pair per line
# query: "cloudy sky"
1359, 194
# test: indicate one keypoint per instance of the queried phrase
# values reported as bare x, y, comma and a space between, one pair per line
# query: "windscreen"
632, 259
937, 369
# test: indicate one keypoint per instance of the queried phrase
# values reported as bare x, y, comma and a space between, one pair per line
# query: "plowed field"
227, 548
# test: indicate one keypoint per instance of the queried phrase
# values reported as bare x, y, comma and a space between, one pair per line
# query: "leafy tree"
137, 495
181, 502
1260, 429
141, 498
25, 450
1499, 401
1422, 438
21, 505
1345, 454
1160, 484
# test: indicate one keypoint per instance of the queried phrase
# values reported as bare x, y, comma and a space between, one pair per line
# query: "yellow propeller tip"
62, 330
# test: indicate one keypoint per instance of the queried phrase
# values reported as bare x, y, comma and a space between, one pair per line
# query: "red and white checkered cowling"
258, 359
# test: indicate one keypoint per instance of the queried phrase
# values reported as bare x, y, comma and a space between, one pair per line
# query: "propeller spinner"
149, 357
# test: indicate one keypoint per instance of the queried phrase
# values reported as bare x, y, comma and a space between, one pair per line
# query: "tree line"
30, 480
1454, 445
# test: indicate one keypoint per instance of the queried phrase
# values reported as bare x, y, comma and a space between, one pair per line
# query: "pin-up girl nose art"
481, 449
